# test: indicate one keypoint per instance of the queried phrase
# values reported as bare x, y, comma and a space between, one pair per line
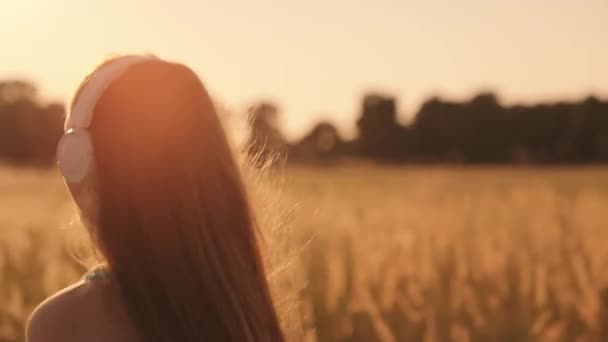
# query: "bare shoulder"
64, 316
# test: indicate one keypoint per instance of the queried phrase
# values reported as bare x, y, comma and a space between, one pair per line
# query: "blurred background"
442, 165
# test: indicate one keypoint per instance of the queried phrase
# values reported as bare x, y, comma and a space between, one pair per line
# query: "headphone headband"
75, 150
81, 113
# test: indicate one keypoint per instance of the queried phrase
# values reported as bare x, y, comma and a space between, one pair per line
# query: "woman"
149, 166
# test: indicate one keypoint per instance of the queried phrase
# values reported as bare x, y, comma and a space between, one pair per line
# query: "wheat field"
385, 253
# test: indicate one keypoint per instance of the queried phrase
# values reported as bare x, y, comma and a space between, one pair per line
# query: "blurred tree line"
477, 131
481, 130
29, 129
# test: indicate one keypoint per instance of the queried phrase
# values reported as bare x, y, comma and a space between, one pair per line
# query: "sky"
316, 58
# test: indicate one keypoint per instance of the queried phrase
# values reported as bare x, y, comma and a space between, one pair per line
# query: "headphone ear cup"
75, 155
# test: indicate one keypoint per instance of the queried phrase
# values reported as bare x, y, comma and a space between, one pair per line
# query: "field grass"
387, 253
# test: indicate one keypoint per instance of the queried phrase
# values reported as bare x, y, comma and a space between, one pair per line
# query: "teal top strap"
96, 273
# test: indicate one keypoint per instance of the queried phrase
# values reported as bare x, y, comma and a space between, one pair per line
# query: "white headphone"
75, 149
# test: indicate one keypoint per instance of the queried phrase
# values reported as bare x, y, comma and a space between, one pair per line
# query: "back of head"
174, 223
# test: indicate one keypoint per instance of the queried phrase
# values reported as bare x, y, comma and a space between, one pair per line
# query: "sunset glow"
316, 58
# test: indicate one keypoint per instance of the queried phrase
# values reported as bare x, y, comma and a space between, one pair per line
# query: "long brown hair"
175, 225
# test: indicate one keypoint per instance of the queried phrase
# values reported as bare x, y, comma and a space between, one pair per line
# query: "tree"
380, 135
29, 130
265, 139
322, 144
